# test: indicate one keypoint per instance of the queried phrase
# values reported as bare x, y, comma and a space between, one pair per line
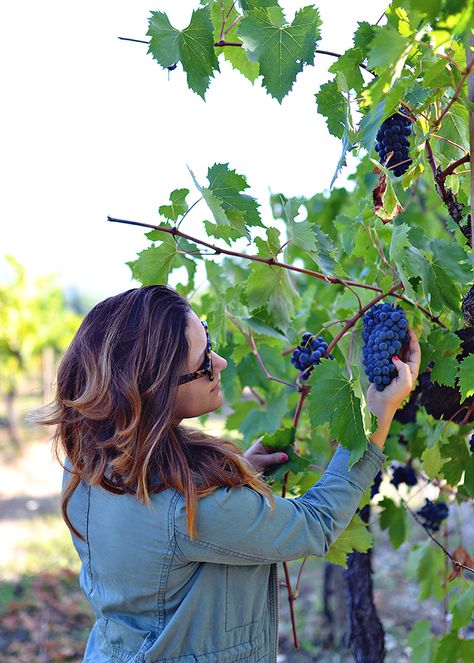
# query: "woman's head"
123, 386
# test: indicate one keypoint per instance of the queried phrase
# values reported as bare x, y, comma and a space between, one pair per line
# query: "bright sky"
91, 126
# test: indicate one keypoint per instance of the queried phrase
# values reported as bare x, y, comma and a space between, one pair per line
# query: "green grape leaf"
261, 327
333, 400
468, 487
463, 609
393, 518
309, 237
334, 107
453, 259
193, 47
153, 265
426, 565
466, 377
356, 536
432, 461
455, 128
420, 640
283, 440
410, 262
265, 418
386, 47
363, 36
348, 65
227, 186
215, 317
458, 461
226, 233
229, 206
272, 287
281, 49
370, 124
444, 347
268, 248
237, 57
178, 205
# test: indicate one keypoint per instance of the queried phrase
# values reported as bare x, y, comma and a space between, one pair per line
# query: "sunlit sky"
93, 126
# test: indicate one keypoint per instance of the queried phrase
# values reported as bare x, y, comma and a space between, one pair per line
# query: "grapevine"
340, 264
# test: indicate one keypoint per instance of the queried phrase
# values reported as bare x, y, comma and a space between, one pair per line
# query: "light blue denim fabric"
160, 597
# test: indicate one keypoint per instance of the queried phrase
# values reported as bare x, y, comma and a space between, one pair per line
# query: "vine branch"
272, 262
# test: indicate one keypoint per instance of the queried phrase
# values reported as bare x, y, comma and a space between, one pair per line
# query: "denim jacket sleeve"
237, 525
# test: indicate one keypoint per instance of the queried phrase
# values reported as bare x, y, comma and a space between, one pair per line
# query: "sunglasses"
206, 368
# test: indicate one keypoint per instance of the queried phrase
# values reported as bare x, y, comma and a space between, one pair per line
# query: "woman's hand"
262, 457
385, 403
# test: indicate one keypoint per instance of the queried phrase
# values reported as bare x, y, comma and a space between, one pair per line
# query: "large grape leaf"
309, 237
155, 263
280, 48
455, 128
420, 640
445, 345
228, 205
433, 461
356, 536
387, 47
333, 106
237, 57
463, 608
283, 439
393, 518
426, 565
333, 400
348, 65
272, 287
466, 377
363, 36
193, 47
458, 455
410, 262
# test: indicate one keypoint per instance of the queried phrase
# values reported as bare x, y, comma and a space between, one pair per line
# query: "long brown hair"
113, 407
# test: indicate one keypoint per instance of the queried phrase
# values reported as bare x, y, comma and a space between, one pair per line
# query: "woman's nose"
219, 362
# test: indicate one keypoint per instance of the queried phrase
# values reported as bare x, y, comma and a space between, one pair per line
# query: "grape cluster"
471, 443
385, 331
404, 474
433, 514
374, 489
308, 354
393, 137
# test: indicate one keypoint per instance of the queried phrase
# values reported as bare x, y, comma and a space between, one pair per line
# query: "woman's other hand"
262, 457
385, 403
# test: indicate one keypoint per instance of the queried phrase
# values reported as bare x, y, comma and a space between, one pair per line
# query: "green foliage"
325, 256
33, 316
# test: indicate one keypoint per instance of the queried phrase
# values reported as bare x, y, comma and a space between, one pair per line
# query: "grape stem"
274, 263
305, 389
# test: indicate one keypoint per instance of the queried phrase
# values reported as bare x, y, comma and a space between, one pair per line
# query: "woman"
178, 533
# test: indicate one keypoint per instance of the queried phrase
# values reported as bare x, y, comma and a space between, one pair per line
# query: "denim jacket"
160, 597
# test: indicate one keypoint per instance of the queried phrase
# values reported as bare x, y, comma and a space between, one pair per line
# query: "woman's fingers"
414, 355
